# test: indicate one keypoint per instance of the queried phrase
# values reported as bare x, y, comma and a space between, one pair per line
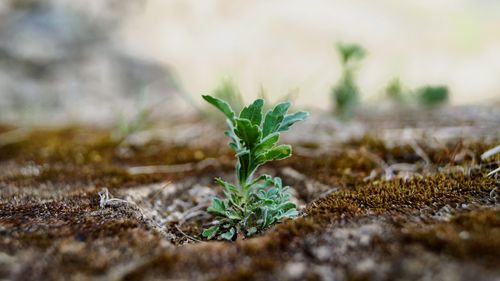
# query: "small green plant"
140, 121
394, 90
427, 95
432, 95
253, 204
345, 93
228, 91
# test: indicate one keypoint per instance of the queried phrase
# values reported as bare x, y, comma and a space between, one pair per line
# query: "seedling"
427, 95
432, 95
394, 90
345, 93
253, 203
142, 120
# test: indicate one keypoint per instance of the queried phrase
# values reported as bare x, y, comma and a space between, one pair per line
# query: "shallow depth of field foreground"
109, 160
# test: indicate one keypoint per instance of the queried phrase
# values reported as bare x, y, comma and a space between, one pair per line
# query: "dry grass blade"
490, 152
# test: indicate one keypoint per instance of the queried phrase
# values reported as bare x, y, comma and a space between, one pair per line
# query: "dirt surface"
384, 201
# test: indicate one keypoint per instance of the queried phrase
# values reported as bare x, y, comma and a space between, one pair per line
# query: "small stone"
366, 265
365, 240
464, 235
326, 273
295, 269
495, 195
322, 253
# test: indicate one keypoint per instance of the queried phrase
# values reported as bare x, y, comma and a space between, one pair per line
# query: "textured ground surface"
378, 202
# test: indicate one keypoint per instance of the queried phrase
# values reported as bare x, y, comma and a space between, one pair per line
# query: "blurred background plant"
432, 95
394, 90
141, 119
428, 96
229, 91
345, 93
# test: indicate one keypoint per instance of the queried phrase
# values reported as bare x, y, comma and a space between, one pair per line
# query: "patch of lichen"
87, 156
84, 145
39, 224
81, 158
266, 254
84, 175
473, 236
92, 258
335, 169
353, 161
6, 127
393, 199
157, 153
71, 144
405, 196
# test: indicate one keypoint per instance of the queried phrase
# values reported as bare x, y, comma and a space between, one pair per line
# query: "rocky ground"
383, 198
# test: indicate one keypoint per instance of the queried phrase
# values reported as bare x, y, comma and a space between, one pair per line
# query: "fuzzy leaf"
217, 207
251, 231
220, 105
277, 182
230, 191
274, 117
277, 153
287, 206
229, 234
263, 220
291, 119
253, 112
210, 232
290, 213
233, 146
250, 134
267, 143
231, 214
243, 166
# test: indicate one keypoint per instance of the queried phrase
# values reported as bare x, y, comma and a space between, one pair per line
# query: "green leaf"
221, 105
230, 191
217, 207
225, 185
232, 214
277, 153
243, 167
291, 213
210, 232
250, 134
233, 146
263, 220
231, 135
253, 112
350, 52
229, 234
251, 231
274, 117
287, 206
267, 143
277, 182
291, 119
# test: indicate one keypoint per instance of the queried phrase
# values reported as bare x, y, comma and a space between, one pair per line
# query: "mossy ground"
361, 220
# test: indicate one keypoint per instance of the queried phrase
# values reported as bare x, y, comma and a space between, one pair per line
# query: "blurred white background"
289, 44
92, 60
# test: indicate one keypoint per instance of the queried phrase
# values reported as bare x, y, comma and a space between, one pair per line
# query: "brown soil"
364, 215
